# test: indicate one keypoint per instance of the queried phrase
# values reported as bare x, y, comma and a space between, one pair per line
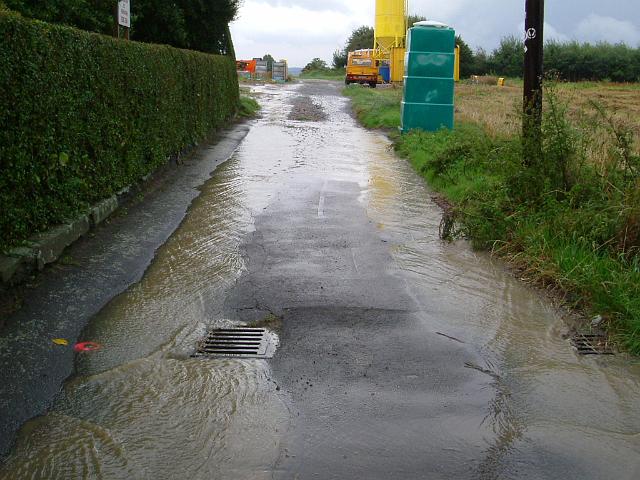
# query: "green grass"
247, 107
330, 74
566, 235
375, 107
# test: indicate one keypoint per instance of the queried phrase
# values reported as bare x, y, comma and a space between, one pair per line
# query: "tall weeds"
565, 220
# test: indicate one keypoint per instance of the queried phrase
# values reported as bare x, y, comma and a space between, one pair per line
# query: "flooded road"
400, 356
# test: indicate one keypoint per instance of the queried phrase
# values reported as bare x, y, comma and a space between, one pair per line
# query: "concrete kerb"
44, 248
102, 210
47, 247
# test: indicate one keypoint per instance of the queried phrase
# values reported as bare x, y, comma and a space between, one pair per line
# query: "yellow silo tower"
390, 34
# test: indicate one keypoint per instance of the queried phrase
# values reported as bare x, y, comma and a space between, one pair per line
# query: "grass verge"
566, 221
248, 107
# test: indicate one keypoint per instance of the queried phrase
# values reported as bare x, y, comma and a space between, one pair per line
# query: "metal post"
533, 74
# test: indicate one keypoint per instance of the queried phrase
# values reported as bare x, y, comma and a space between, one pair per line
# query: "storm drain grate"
237, 342
591, 344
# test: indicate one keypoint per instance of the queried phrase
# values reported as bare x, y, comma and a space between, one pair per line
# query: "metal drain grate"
591, 344
237, 342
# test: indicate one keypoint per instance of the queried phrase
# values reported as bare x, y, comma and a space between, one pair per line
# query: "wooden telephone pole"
533, 75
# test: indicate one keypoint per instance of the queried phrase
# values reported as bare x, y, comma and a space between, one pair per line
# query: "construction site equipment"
279, 71
248, 66
262, 69
363, 67
456, 67
428, 84
390, 35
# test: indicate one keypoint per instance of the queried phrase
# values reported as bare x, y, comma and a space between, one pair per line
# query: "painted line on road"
321, 201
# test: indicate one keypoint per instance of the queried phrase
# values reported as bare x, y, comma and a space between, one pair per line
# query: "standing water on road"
429, 360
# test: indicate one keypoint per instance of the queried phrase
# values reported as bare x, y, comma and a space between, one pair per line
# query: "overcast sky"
299, 30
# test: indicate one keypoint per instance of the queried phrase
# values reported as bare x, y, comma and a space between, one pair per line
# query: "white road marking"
321, 201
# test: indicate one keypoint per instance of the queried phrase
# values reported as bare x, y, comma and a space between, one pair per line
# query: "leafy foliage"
340, 58
315, 64
269, 59
207, 24
195, 24
92, 15
360, 38
83, 115
411, 19
570, 61
508, 58
466, 58
574, 61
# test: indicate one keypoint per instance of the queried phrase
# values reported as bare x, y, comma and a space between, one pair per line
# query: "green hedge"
83, 115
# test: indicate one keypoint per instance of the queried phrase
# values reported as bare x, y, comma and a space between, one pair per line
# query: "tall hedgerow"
195, 24
83, 115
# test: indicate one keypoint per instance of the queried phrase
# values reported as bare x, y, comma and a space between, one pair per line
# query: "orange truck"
363, 68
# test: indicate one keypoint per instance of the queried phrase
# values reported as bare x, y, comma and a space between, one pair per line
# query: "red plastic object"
87, 347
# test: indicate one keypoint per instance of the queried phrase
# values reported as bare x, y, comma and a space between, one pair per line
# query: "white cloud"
331, 5
302, 29
439, 10
596, 28
297, 32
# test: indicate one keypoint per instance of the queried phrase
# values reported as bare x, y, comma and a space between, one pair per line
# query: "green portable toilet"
428, 79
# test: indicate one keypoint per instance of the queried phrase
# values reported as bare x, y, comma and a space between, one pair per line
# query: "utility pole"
533, 74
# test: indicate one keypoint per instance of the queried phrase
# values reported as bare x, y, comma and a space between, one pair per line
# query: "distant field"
497, 108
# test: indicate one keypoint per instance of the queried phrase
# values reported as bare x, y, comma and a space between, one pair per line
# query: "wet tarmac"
400, 356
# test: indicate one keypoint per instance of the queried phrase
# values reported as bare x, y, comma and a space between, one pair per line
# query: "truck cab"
363, 68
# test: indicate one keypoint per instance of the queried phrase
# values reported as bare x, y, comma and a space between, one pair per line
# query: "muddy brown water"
142, 408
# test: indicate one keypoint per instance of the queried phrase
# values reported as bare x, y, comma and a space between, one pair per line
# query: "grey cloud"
596, 28
483, 23
315, 5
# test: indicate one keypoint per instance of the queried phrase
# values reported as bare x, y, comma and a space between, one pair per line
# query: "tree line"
194, 24
570, 61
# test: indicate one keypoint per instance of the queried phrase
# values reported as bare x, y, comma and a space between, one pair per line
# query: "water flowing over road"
400, 356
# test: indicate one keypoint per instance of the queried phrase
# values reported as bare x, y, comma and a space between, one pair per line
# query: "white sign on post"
124, 15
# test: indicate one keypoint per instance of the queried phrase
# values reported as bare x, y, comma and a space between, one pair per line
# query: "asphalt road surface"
399, 356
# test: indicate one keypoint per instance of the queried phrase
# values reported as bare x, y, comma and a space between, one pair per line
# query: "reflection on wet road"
523, 406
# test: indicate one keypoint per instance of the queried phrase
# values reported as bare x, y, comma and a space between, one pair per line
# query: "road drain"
238, 342
591, 344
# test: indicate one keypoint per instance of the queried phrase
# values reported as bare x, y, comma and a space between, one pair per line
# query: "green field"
570, 220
